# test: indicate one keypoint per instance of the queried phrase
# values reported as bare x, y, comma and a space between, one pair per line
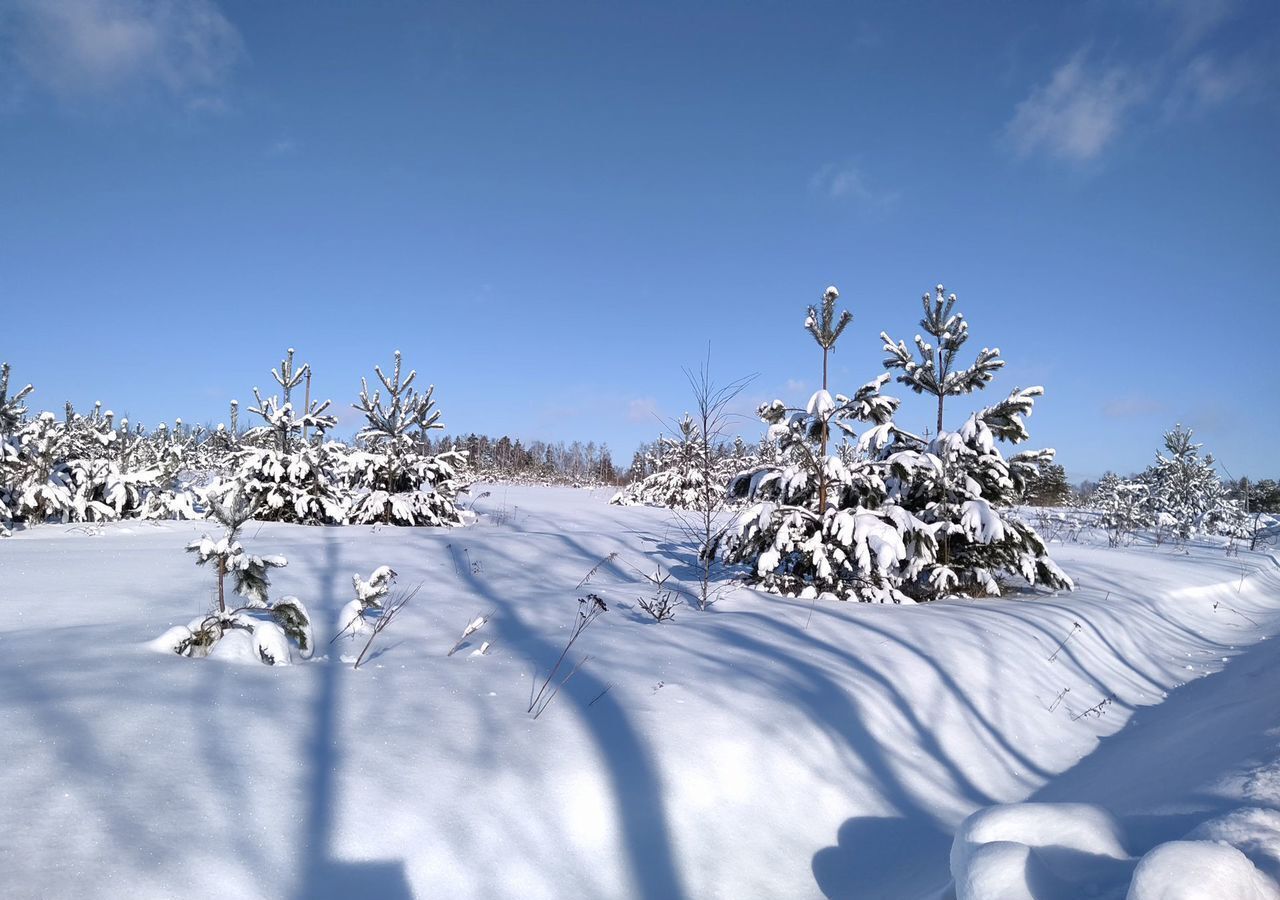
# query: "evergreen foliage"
1041, 483
397, 480
1185, 493
285, 465
273, 626
679, 476
906, 518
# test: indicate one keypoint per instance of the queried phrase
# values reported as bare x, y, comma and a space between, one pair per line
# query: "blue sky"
551, 208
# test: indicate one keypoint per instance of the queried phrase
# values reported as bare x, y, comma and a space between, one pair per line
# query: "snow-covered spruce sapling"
590, 608
906, 518
12, 415
399, 481
271, 625
936, 372
360, 615
1185, 493
290, 477
826, 330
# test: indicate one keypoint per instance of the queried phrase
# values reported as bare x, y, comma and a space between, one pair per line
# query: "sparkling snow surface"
766, 748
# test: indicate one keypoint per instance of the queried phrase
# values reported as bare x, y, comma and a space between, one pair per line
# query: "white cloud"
1206, 81
282, 147
1193, 20
846, 182
1132, 405
1084, 107
1077, 114
95, 49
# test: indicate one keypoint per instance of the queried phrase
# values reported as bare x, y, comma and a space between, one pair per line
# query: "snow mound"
1254, 832
1004, 869
1199, 870
1036, 850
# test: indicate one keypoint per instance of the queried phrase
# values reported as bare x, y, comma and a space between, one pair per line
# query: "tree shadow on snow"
321, 874
631, 770
874, 859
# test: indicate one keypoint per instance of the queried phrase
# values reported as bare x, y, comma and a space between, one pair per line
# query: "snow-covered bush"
357, 617
904, 518
1124, 508
396, 481
273, 627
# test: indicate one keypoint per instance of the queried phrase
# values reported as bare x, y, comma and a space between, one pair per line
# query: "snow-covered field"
765, 748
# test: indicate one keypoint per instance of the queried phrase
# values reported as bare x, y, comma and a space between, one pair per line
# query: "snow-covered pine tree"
397, 479
13, 414
678, 480
935, 372
856, 548
270, 625
1123, 507
912, 519
172, 453
1186, 494
1042, 483
826, 330
285, 464
958, 481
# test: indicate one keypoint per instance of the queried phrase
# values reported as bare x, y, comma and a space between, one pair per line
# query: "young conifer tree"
399, 481
273, 626
291, 479
13, 414
906, 518
826, 330
936, 371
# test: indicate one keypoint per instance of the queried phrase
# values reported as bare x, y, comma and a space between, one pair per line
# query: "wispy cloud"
77, 50
1087, 104
1206, 81
282, 147
1078, 113
1193, 20
1133, 405
845, 181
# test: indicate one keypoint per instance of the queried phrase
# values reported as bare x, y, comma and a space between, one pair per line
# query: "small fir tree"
399, 481
291, 479
273, 626
907, 518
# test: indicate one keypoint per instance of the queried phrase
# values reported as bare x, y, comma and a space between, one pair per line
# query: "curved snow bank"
1032, 850
1060, 851
1199, 870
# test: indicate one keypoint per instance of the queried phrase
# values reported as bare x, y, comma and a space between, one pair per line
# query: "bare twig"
1097, 711
585, 578
606, 690
1075, 626
389, 612
590, 608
